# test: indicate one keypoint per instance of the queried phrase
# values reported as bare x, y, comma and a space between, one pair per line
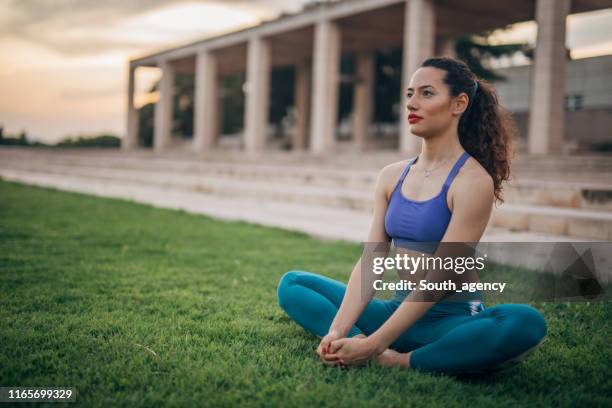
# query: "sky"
64, 63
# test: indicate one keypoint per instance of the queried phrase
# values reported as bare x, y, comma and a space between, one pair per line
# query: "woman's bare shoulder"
390, 174
473, 171
473, 180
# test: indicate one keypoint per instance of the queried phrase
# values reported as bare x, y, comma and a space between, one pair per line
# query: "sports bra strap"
448, 180
403, 176
455, 169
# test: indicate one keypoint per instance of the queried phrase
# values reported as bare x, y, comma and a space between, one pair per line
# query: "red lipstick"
412, 118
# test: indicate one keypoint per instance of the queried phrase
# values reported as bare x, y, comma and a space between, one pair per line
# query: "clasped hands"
345, 351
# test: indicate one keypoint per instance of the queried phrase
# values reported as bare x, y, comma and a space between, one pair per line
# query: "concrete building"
588, 101
314, 40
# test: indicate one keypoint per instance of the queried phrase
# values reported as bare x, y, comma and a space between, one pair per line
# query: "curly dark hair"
486, 129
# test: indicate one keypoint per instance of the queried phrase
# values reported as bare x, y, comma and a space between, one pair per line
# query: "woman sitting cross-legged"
443, 195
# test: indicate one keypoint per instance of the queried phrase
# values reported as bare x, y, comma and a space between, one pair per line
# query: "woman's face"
430, 108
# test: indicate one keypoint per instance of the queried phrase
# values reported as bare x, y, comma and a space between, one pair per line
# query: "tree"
475, 50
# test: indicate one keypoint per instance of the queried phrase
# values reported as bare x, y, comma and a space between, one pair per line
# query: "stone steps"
319, 221
547, 206
583, 223
593, 165
324, 222
524, 190
352, 188
226, 186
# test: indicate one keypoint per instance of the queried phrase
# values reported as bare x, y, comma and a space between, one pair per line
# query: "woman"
444, 194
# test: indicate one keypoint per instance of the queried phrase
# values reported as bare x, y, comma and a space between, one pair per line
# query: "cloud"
85, 27
66, 71
76, 27
25, 15
589, 29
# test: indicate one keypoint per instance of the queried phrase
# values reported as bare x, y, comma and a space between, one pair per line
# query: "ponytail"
486, 130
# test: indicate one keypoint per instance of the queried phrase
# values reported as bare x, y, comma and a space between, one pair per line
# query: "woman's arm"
360, 288
472, 206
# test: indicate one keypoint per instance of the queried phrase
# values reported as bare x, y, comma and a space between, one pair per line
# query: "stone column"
325, 67
547, 110
130, 141
302, 111
257, 94
206, 121
163, 109
363, 98
220, 110
419, 40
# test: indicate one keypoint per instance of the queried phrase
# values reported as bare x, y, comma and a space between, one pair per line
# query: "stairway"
569, 197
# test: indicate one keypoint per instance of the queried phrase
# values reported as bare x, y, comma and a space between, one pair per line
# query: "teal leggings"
452, 337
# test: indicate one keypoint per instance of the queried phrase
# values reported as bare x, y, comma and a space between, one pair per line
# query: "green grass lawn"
136, 306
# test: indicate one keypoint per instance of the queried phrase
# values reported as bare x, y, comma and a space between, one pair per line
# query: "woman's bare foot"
390, 358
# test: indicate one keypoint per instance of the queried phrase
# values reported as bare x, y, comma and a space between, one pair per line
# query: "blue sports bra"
419, 224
